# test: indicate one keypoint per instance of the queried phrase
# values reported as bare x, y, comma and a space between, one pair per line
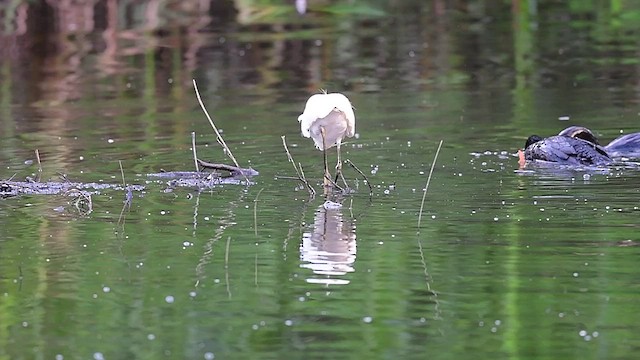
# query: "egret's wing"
320, 105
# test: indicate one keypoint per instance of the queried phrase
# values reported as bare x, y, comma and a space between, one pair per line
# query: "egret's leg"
327, 176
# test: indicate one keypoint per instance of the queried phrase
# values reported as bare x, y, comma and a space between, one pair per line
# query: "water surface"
505, 263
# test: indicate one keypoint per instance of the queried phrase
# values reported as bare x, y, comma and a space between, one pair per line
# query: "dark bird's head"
580, 132
532, 140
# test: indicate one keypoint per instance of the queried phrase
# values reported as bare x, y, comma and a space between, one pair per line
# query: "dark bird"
565, 150
623, 146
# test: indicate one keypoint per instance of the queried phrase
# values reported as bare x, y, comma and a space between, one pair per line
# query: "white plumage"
334, 113
327, 119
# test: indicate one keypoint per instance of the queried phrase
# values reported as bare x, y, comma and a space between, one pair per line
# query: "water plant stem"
426, 187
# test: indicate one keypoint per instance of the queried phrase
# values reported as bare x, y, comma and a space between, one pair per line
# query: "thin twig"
63, 177
127, 197
278, 177
193, 146
230, 168
255, 277
286, 148
226, 266
329, 183
226, 149
39, 164
297, 169
426, 187
304, 177
255, 213
361, 174
122, 173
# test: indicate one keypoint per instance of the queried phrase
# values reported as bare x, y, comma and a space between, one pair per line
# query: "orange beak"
521, 160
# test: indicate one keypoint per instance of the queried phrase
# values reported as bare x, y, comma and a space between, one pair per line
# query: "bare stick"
312, 191
304, 177
329, 183
226, 149
230, 168
122, 173
193, 147
128, 197
39, 164
298, 171
286, 148
361, 174
278, 177
426, 187
226, 266
255, 213
255, 280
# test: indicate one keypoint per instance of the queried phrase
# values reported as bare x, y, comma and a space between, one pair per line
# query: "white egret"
327, 119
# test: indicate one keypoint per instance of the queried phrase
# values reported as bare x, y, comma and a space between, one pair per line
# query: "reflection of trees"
59, 56
118, 50
266, 46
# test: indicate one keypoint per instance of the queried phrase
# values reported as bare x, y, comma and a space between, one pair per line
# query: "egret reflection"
330, 248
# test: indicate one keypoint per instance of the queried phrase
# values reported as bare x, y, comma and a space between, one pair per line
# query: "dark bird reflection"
330, 249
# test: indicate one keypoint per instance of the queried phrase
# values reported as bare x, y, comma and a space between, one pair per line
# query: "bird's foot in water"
330, 186
521, 160
341, 177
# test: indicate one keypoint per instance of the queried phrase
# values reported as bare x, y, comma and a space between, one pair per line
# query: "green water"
505, 264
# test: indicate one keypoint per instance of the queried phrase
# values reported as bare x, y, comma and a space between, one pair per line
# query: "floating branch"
234, 170
221, 141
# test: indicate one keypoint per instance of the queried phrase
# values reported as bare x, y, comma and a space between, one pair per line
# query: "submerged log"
199, 180
15, 188
233, 170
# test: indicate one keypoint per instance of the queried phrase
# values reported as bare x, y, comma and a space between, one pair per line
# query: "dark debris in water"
198, 180
172, 179
15, 188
